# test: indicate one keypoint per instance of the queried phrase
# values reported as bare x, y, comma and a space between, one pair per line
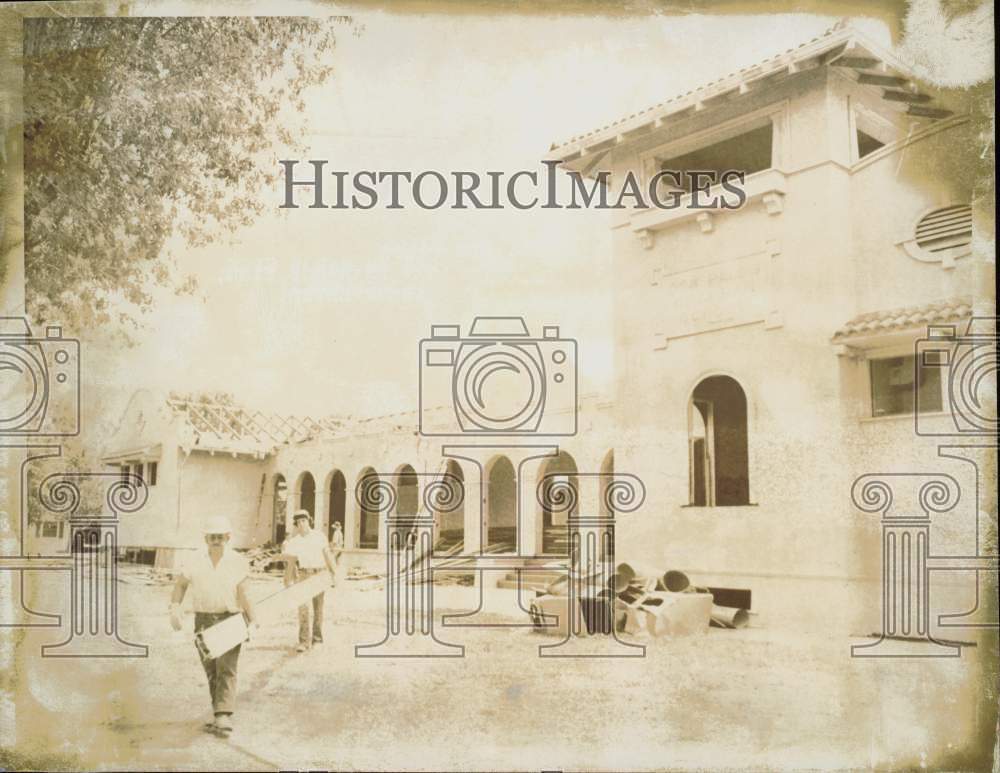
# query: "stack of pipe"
640, 586
640, 596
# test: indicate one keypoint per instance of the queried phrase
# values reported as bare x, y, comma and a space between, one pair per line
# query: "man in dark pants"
217, 578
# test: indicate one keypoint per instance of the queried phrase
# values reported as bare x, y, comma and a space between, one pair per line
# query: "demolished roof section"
225, 427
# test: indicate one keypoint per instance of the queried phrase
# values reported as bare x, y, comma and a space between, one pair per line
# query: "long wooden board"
218, 639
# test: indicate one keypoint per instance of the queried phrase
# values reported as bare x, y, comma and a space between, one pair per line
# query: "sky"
320, 312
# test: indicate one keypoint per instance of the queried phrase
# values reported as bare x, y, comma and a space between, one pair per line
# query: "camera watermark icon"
970, 362
498, 380
39, 381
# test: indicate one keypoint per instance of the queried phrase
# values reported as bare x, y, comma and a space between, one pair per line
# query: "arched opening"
337, 503
368, 516
718, 444
307, 496
501, 507
407, 502
607, 470
606, 507
279, 510
555, 518
451, 524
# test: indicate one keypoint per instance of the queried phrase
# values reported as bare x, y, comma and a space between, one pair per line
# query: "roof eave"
846, 46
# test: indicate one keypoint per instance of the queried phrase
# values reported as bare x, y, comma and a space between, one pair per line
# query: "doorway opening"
718, 452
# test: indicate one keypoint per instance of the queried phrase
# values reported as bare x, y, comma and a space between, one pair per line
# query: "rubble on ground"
138, 574
265, 558
639, 601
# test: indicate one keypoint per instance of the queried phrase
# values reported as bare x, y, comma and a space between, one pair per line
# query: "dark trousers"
221, 671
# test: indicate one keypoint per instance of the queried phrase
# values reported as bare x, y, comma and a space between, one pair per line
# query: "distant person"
217, 577
306, 553
337, 549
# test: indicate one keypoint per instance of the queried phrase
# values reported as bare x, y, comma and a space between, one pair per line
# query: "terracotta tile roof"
878, 322
826, 46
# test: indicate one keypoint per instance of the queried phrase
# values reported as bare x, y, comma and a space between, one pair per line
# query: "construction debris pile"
132, 574
639, 601
265, 558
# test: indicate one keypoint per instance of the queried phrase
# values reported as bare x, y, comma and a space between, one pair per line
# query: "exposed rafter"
841, 47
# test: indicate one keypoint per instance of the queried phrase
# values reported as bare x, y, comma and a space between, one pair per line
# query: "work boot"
302, 648
223, 724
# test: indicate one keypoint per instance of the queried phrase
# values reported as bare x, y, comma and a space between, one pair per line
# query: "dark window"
895, 382
867, 144
151, 474
748, 153
50, 529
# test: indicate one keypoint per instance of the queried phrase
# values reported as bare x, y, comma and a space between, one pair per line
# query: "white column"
322, 507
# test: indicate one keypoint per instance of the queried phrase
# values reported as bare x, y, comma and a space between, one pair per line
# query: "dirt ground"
755, 698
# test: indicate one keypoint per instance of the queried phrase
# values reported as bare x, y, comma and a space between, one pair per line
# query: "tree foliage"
137, 129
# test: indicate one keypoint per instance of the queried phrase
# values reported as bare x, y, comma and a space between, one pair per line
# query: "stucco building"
764, 357
766, 354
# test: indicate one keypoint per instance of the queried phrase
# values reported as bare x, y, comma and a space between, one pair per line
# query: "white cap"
217, 524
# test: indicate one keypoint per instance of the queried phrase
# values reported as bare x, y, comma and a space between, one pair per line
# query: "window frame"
775, 113
888, 353
877, 127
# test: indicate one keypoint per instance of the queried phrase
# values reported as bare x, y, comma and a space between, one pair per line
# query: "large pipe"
633, 573
674, 581
618, 582
629, 573
729, 617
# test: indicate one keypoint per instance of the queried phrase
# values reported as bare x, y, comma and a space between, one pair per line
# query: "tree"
137, 129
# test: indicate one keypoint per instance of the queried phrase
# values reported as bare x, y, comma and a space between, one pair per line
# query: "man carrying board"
217, 578
306, 553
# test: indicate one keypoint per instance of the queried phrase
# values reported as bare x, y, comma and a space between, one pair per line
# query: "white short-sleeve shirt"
308, 549
213, 588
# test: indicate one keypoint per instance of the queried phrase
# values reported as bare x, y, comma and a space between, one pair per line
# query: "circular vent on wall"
945, 229
941, 235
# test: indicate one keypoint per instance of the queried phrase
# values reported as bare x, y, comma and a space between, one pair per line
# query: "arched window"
338, 502
279, 510
368, 516
501, 506
555, 519
717, 444
607, 470
307, 495
451, 525
407, 502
